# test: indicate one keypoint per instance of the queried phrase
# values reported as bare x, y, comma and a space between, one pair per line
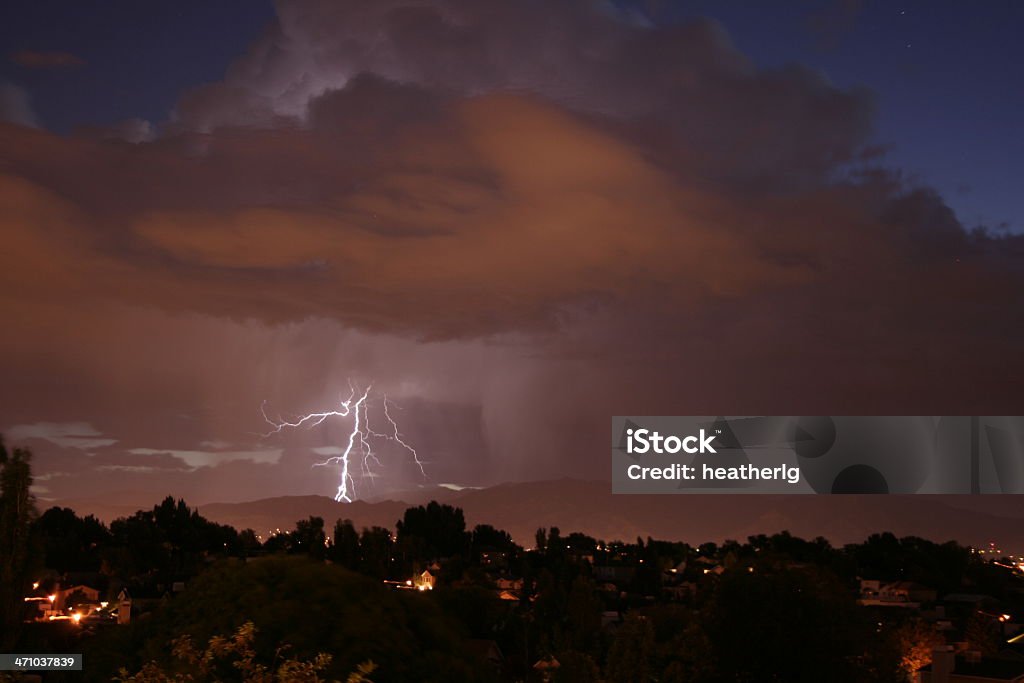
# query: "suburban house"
424, 581
895, 593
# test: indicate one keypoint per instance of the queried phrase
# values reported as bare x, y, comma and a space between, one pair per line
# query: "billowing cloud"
526, 206
513, 234
688, 82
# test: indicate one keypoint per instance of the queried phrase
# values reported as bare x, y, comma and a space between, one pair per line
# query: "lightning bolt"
360, 438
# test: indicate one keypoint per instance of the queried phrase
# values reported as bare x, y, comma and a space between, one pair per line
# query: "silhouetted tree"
344, 549
309, 538
311, 606
576, 667
486, 537
248, 543
629, 660
540, 539
375, 549
432, 532
170, 539
793, 625
17, 511
70, 542
583, 613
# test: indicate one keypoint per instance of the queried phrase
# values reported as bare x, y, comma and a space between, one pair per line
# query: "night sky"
516, 219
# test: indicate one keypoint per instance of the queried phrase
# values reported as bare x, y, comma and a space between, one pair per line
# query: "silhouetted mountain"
590, 507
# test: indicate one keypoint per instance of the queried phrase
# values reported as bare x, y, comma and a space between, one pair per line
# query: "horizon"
804, 516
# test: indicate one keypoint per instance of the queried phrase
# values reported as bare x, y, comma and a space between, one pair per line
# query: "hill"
589, 507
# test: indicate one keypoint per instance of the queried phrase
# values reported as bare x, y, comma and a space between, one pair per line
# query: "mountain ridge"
590, 507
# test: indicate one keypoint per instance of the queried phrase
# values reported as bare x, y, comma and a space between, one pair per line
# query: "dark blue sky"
139, 57
948, 75
949, 78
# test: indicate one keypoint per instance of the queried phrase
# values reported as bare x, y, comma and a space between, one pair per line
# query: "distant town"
431, 599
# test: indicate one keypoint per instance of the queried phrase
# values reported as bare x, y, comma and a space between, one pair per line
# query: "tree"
629, 660
309, 538
248, 543
916, 639
433, 532
540, 539
70, 542
583, 611
753, 622
17, 511
311, 606
345, 548
375, 552
171, 539
486, 537
235, 658
576, 667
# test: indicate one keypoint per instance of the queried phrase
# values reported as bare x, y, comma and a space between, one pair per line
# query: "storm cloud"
514, 234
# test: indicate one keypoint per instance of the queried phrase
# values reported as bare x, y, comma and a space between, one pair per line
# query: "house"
546, 666
79, 593
674, 574
946, 667
870, 588
44, 605
509, 584
907, 591
424, 581
895, 593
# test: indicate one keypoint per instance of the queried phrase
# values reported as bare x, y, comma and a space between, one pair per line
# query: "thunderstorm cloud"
514, 235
